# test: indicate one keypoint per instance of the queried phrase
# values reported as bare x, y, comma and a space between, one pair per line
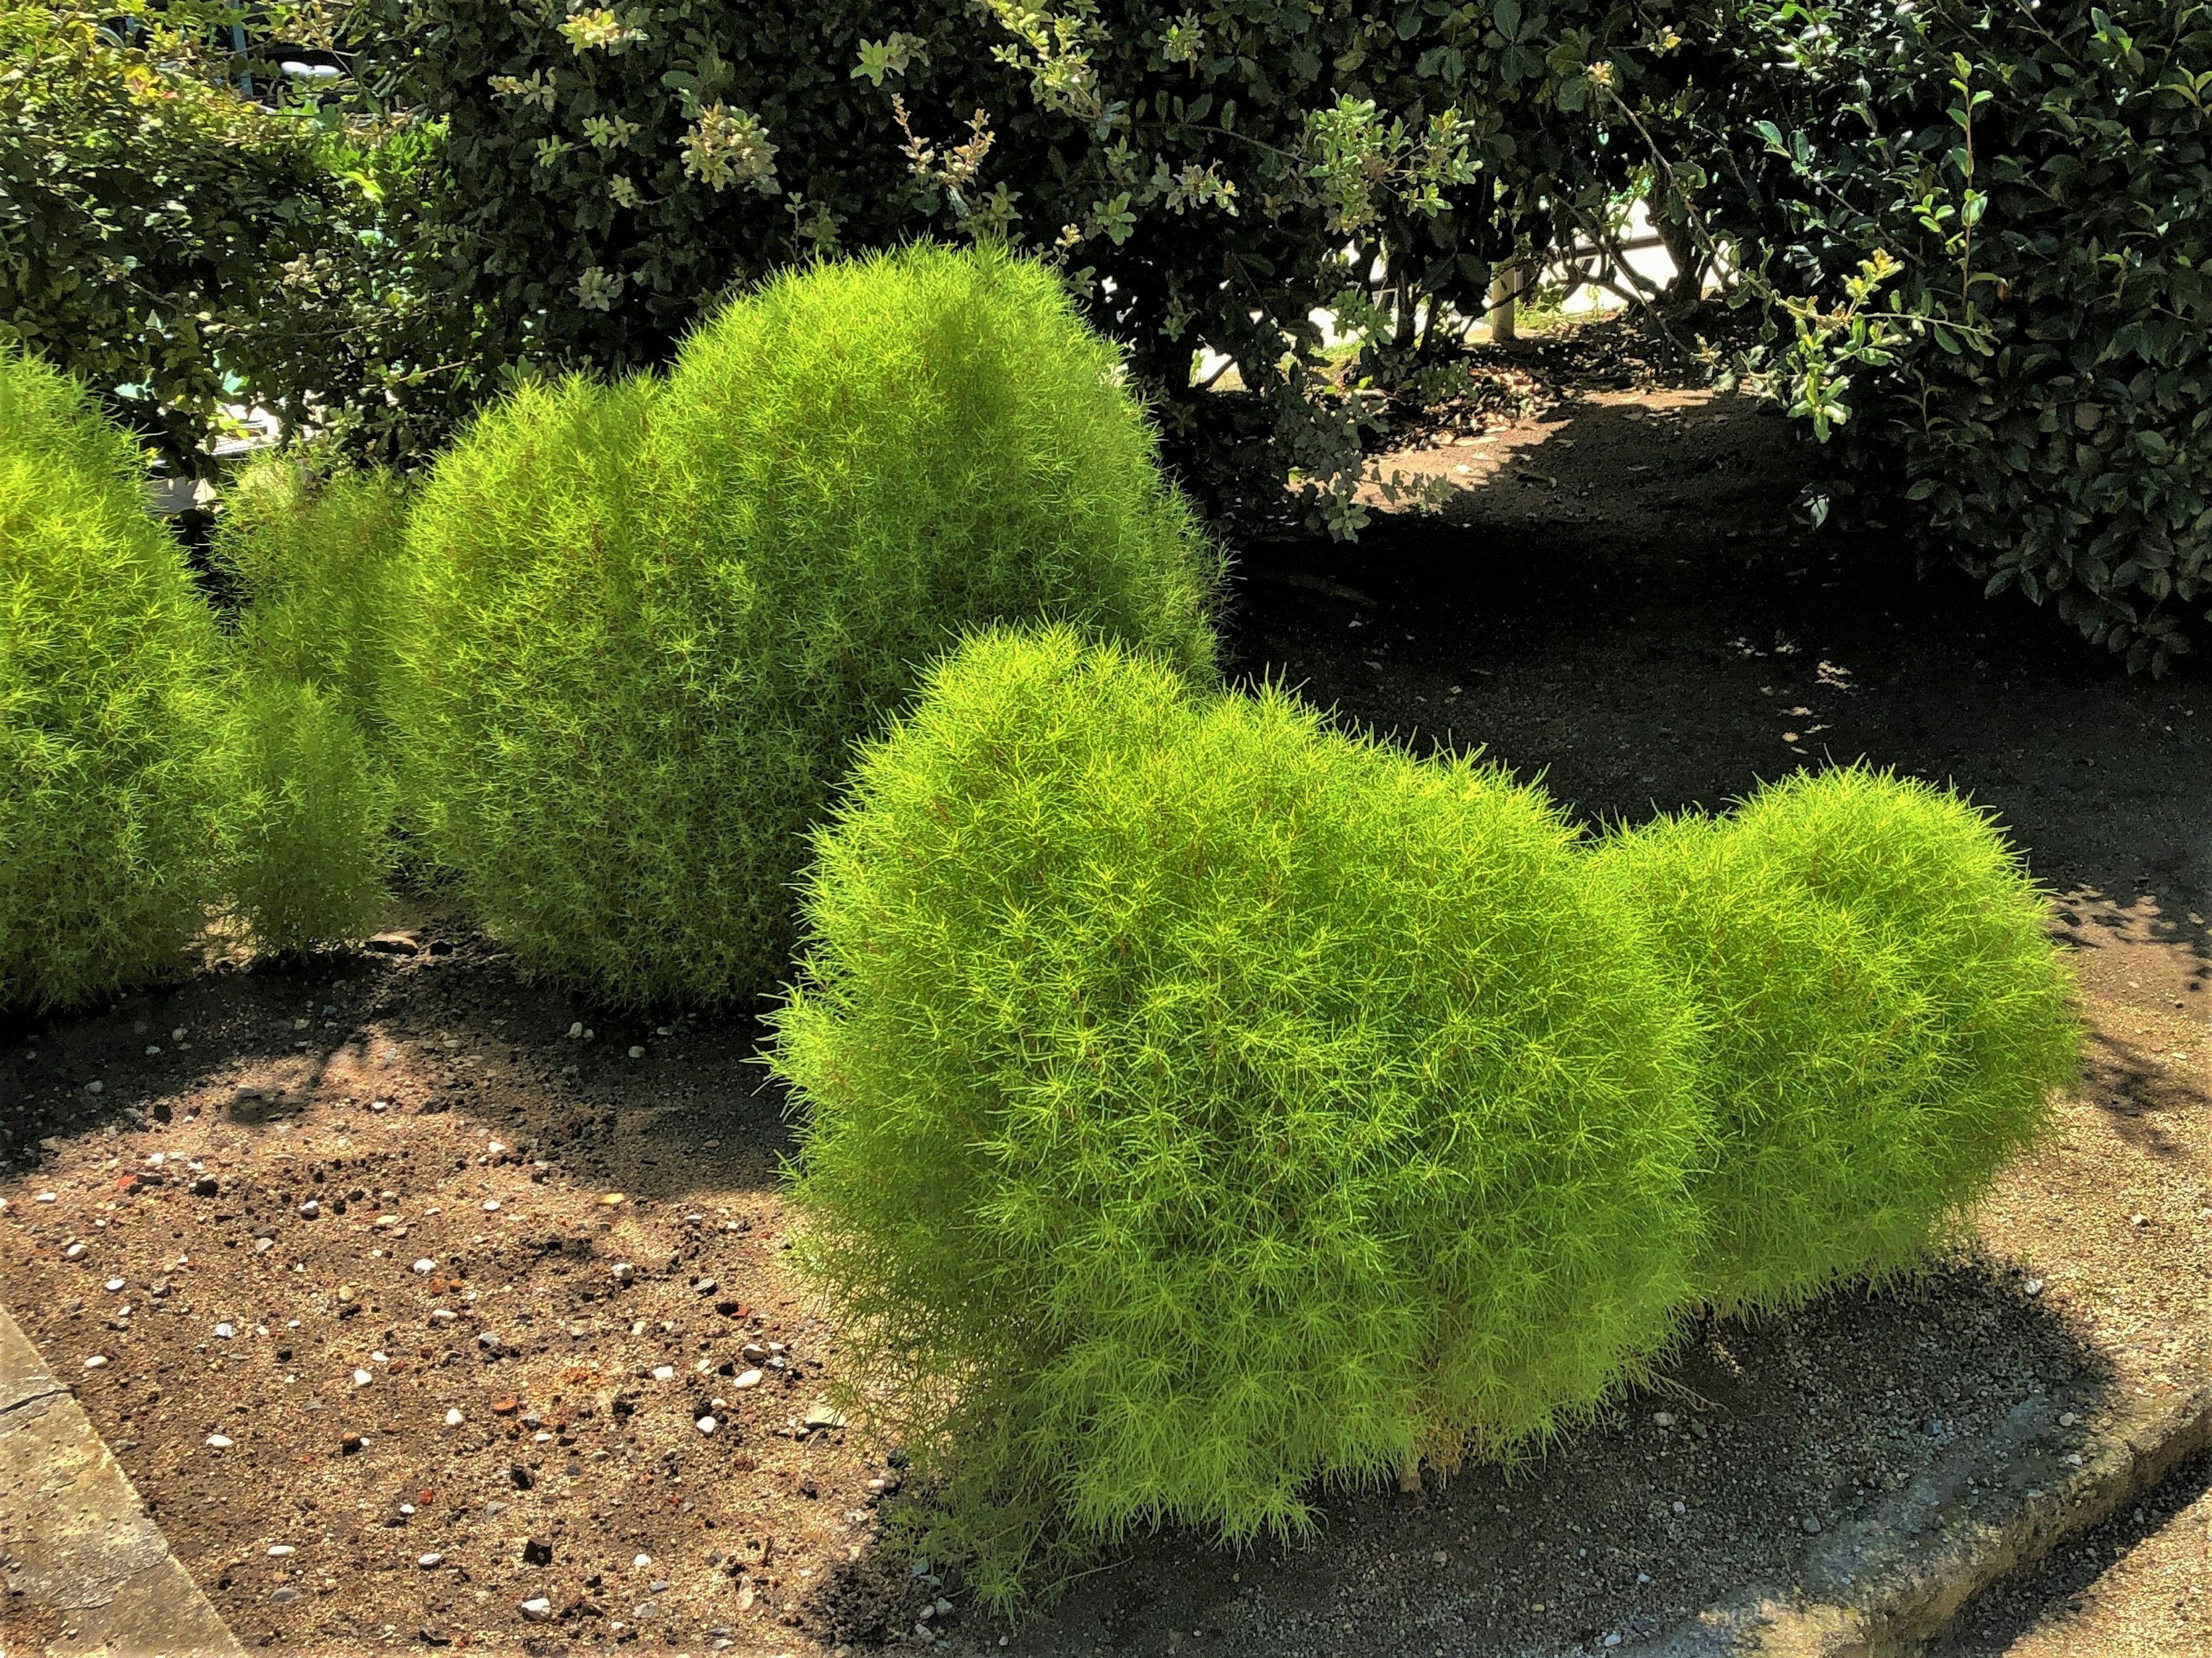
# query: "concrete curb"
1912, 1578
75, 1542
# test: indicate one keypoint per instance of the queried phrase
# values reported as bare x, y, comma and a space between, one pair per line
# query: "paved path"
87, 1571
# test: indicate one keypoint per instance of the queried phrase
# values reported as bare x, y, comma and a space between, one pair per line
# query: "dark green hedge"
2038, 177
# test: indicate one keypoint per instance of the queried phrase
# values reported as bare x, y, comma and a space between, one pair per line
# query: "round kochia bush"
1198, 1102
109, 833
1885, 1019
655, 616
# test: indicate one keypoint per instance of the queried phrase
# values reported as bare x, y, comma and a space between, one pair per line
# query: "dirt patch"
1645, 639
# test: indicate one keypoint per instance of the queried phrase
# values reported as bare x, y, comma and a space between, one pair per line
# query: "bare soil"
1619, 599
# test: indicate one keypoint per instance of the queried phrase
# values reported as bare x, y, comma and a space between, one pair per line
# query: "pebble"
750, 1379
96, 1360
48, 1197
642, 1562
491, 1205
280, 1596
426, 1264
310, 1209
667, 1373
218, 1442
453, 1419
824, 1416
707, 1425
537, 1610
610, 1199
443, 1315
96, 1087
1665, 1418
112, 1284
637, 1053
624, 1272
362, 1378
706, 1286
576, 1031
281, 1550
2067, 1418
74, 1251
224, 1332
1681, 1508
2032, 1287
488, 1342
431, 1561
262, 1246
1812, 1525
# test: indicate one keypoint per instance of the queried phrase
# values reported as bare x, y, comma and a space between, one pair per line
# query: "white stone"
96, 1360
537, 1610
224, 1332
281, 1550
443, 1315
310, 1209
576, 1031
642, 1562
637, 1053
750, 1379
663, 1373
218, 1442
430, 1561
96, 1087
114, 1284
624, 1271
491, 1205
707, 1425
362, 1378
44, 1197
426, 1264
74, 1251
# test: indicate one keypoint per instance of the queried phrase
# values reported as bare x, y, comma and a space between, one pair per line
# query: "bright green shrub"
308, 807
323, 589
654, 616
109, 661
1885, 1018
1197, 1104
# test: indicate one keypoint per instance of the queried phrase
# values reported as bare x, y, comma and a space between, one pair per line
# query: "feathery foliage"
655, 616
1885, 1019
318, 566
108, 667
308, 811
1198, 1102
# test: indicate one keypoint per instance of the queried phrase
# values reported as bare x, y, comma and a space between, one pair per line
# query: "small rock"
453, 1419
1664, 1419
706, 1286
624, 1272
506, 1406
95, 1362
2138, 1220
610, 1200
823, 1416
204, 1187
74, 1251
112, 1284
431, 1636
663, 1373
431, 1561
279, 1597
362, 1378
2067, 1418
2032, 1287
491, 1205
443, 1315
243, 1092
707, 1425
218, 1442
750, 1379
642, 1562
48, 1197
576, 1031
262, 1246
282, 1550
310, 1209
96, 1087
488, 1342
1811, 1526
224, 1332
393, 943
426, 1264
537, 1610
1681, 1507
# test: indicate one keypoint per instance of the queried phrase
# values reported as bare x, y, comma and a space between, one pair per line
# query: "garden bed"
1655, 637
